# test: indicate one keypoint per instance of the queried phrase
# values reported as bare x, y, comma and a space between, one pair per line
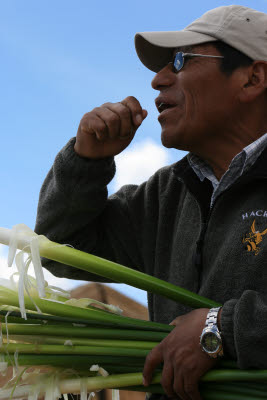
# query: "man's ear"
255, 83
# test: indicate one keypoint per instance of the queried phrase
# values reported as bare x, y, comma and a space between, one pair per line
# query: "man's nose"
164, 78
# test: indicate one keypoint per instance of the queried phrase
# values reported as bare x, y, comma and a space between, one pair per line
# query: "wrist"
210, 339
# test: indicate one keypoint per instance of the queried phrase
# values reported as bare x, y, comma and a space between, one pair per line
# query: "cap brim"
155, 49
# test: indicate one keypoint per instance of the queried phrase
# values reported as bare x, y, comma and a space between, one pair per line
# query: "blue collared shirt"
238, 166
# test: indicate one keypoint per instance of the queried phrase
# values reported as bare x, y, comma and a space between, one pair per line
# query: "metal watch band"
212, 317
211, 328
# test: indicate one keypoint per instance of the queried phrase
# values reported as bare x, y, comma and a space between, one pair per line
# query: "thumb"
139, 118
144, 114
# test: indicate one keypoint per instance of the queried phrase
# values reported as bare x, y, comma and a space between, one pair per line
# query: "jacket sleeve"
74, 209
244, 329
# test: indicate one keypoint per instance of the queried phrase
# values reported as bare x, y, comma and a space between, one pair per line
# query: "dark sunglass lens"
178, 61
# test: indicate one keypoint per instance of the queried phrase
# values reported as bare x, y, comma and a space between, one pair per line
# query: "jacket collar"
185, 173
202, 191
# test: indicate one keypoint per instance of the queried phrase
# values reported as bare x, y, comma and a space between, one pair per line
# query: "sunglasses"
178, 60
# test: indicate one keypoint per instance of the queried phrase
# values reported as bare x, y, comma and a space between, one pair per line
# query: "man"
199, 223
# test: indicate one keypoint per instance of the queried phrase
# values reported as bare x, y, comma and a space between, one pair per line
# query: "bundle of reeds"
66, 341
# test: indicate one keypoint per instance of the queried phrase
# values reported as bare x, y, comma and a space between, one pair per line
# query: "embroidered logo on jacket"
253, 239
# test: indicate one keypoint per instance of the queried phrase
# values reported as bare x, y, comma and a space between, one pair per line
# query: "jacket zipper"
197, 257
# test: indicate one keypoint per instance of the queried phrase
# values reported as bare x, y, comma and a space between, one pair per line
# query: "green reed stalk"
235, 388
85, 332
110, 270
130, 344
75, 361
61, 349
64, 310
135, 379
228, 375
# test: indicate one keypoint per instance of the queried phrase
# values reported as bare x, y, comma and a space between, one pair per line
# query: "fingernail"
144, 382
138, 119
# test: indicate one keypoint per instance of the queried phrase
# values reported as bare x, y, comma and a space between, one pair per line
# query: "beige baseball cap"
241, 27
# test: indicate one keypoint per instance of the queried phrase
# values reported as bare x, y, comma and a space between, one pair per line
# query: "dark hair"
233, 58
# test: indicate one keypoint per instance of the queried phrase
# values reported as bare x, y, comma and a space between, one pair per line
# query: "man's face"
203, 101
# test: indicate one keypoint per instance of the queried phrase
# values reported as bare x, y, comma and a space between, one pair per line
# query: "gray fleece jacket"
165, 228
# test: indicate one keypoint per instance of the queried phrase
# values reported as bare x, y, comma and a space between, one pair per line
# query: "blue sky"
60, 59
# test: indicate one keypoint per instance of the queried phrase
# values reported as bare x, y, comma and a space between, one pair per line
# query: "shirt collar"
241, 162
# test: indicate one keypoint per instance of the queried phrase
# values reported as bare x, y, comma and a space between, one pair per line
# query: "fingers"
108, 130
173, 381
118, 119
110, 122
114, 120
135, 109
184, 362
192, 391
92, 123
122, 119
186, 386
167, 379
179, 383
153, 359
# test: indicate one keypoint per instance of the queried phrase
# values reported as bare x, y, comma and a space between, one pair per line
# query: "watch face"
210, 342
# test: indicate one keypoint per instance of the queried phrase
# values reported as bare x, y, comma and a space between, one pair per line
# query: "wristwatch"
210, 339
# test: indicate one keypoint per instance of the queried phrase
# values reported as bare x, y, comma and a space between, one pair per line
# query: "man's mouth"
164, 106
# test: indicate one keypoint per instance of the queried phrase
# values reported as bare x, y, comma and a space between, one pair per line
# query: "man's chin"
170, 142
165, 143
167, 139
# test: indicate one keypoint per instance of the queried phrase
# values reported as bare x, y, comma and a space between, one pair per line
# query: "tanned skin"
214, 116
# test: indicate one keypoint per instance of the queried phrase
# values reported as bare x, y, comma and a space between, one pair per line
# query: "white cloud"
137, 164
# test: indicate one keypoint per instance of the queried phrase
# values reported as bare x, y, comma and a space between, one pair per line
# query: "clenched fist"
108, 130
